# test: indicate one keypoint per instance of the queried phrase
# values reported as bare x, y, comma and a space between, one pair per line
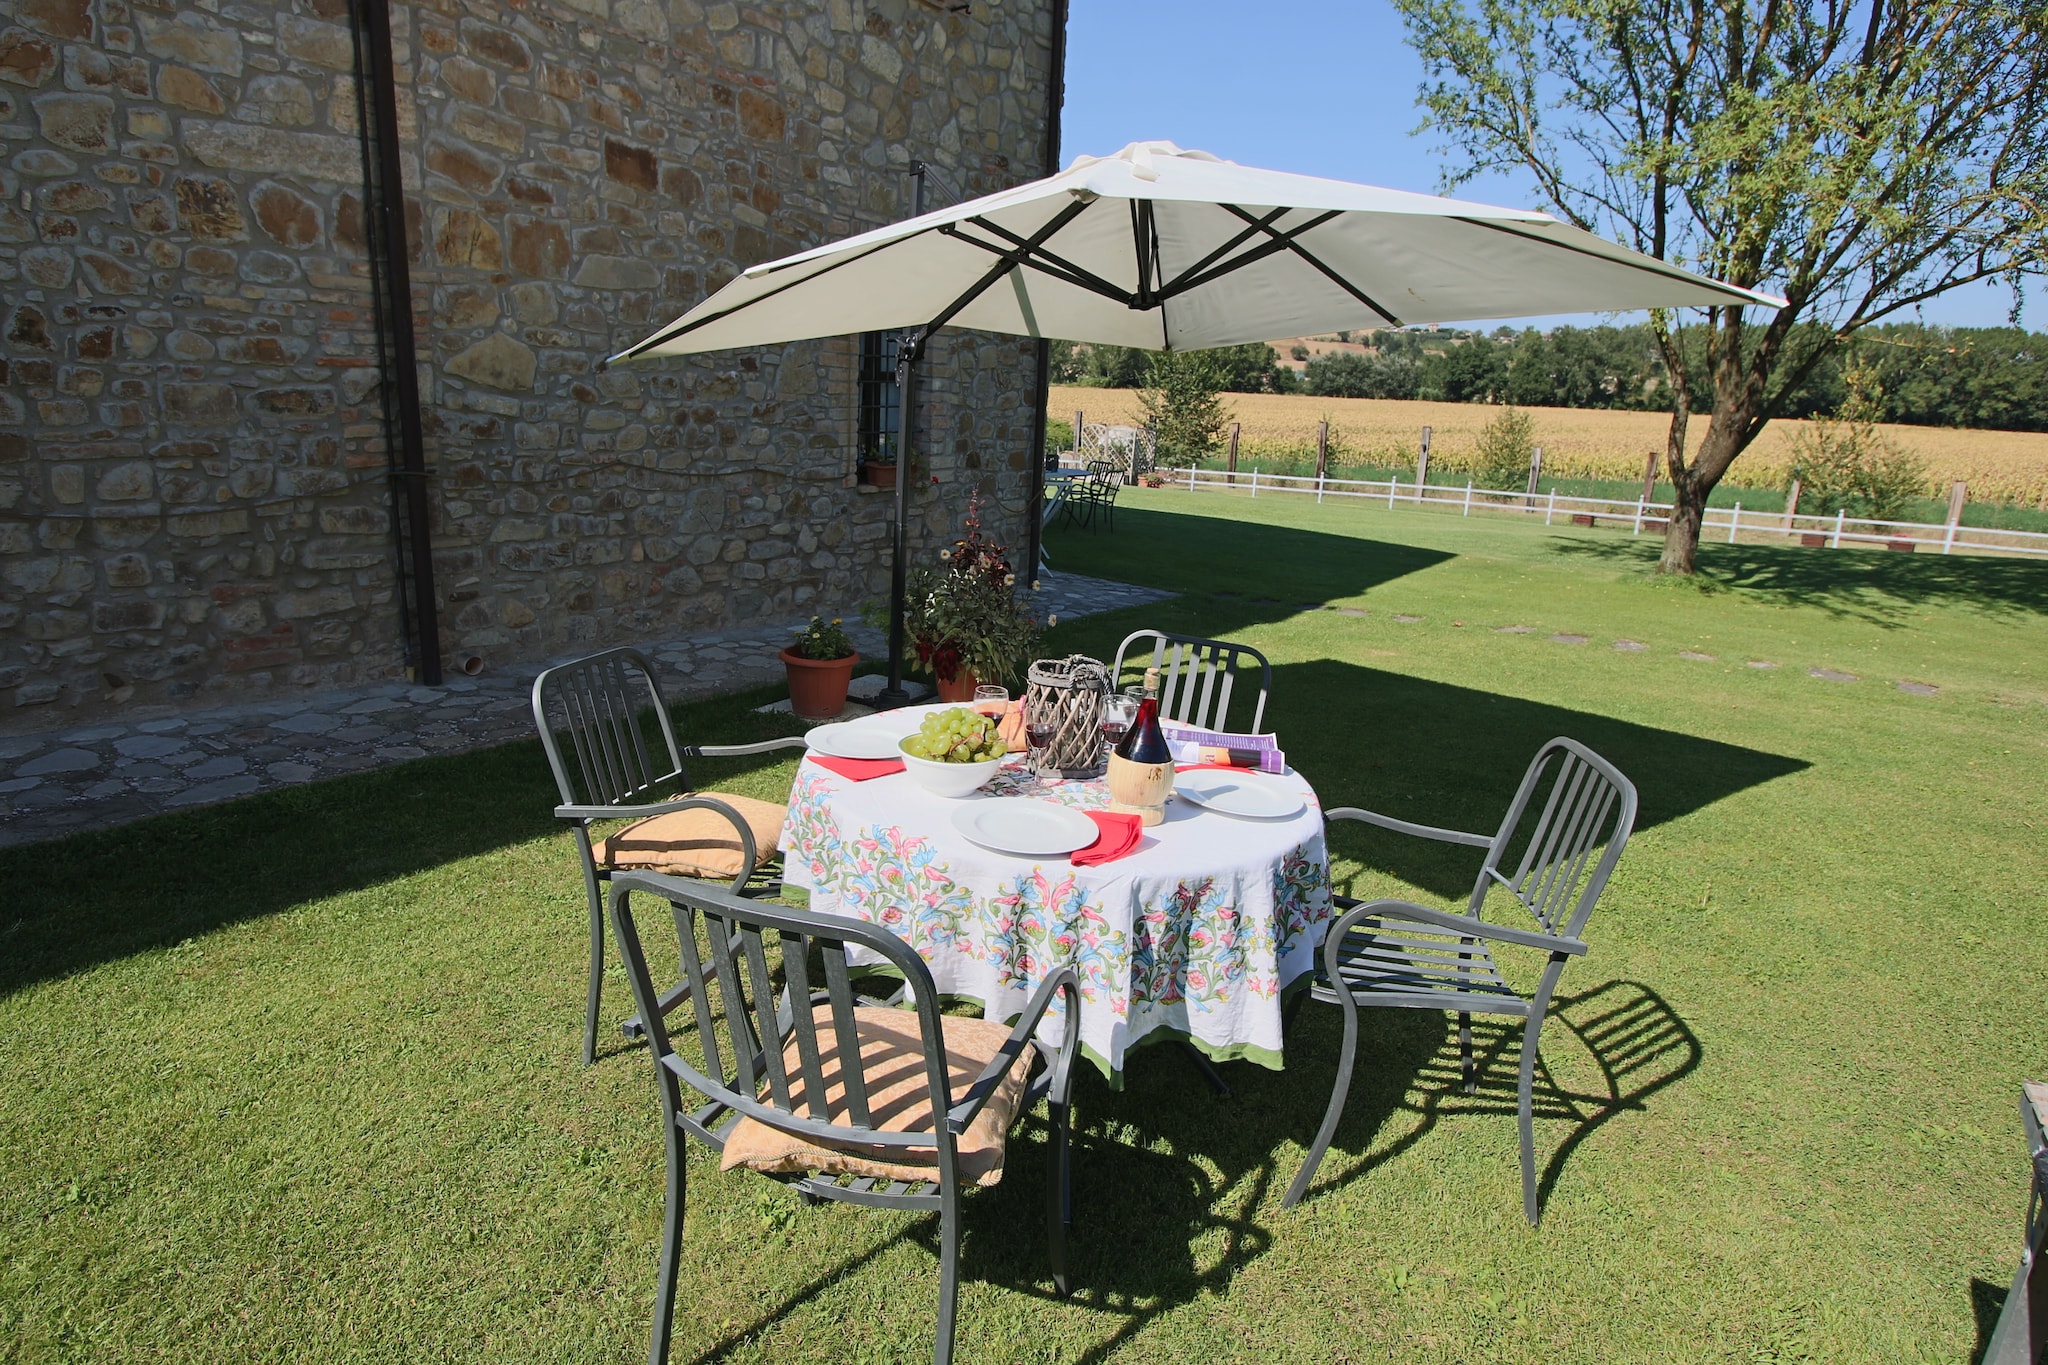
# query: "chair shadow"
1874, 586
103, 895
1639, 1042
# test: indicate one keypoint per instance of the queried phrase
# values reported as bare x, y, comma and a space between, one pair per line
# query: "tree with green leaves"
1857, 157
1182, 404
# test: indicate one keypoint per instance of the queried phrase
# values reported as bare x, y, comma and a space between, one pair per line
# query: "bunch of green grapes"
956, 736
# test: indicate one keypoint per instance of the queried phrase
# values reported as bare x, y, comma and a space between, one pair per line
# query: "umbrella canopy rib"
1649, 265
1003, 266
1188, 278
1277, 243
687, 325
1040, 260
1333, 276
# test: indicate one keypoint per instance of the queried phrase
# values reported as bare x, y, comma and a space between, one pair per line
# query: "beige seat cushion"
695, 843
899, 1101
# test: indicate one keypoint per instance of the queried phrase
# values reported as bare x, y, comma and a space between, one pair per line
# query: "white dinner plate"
855, 739
1026, 827
1246, 796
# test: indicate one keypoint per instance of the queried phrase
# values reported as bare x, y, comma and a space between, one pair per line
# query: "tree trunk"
1682, 534
1693, 485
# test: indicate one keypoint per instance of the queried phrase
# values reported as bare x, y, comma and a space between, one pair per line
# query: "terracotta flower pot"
878, 474
961, 688
817, 687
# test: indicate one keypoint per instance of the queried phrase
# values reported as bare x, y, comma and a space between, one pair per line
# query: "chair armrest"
1448, 836
1466, 925
733, 750
977, 1095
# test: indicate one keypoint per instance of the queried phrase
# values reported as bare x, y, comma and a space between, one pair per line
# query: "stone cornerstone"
194, 494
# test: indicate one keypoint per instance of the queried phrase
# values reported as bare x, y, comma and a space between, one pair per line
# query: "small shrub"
1500, 458
1185, 413
1845, 464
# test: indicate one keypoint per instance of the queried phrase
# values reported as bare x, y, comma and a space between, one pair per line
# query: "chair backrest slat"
768, 1023
759, 1031
738, 1026
601, 702
840, 990
1197, 677
693, 972
796, 974
1587, 805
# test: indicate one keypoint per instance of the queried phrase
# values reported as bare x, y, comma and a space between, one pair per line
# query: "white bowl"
948, 779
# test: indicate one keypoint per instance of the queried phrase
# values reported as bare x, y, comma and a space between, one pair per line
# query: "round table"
1194, 936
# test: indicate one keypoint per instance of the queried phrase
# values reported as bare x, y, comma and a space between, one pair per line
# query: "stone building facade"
195, 499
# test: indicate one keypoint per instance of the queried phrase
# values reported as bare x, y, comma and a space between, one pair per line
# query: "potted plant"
820, 665
963, 619
878, 467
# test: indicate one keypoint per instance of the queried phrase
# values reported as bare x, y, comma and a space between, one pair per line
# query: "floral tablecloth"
1194, 936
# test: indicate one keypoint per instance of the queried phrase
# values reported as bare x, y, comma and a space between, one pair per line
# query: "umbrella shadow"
1638, 1042
1871, 586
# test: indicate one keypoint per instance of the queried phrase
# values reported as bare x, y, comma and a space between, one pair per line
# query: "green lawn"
297, 1077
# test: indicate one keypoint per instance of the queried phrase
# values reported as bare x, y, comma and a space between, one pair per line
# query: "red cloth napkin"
1220, 767
858, 769
1119, 838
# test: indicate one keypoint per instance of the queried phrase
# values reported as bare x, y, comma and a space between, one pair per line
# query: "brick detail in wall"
193, 500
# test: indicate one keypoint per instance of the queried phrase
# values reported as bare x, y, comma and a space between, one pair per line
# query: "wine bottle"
1145, 742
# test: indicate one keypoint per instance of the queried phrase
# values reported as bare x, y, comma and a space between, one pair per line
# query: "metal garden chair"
1406, 956
595, 711
897, 1108
1196, 677
2022, 1327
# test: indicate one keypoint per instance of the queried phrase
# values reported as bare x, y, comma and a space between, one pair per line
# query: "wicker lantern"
1071, 691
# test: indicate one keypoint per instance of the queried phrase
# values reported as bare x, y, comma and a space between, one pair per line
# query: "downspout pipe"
384, 207
1034, 462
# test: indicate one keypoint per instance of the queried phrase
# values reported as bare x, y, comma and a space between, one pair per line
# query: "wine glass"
1117, 714
1040, 728
991, 700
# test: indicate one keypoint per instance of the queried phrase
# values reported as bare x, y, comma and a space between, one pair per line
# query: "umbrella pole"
908, 349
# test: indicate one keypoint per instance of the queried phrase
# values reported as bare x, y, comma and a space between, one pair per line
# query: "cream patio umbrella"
1175, 250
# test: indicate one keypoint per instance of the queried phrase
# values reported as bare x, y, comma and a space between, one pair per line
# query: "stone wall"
193, 490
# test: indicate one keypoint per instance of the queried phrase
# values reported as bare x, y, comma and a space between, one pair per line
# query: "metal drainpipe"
1034, 500
391, 292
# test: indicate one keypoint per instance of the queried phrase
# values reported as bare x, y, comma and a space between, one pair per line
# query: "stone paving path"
54, 782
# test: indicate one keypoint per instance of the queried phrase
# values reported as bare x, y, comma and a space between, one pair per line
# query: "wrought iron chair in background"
898, 1108
1196, 677
1406, 956
596, 712
1091, 493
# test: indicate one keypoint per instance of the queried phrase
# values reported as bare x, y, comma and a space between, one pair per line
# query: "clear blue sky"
1323, 87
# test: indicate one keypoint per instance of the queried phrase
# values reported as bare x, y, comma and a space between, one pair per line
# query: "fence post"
1255, 481
1650, 477
1734, 520
1550, 511
1958, 494
1468, 497
1422, 464
1791, 507
1233, 454
1191, 478
1840, 515
1535, 474
1393, 482
1078, 416
1322, 456
1638, 528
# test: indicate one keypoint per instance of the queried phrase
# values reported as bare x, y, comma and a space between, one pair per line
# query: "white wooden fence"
1721, 523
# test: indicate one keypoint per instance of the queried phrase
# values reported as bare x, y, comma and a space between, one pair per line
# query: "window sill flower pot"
880, 475
817, 687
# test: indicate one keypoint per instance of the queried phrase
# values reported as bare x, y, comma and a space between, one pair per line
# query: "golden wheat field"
1998, 466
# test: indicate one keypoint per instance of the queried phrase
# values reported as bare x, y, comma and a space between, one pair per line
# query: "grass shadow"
1873, 586
101, 895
